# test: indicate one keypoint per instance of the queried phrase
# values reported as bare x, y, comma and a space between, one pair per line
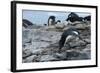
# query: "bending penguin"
69, 35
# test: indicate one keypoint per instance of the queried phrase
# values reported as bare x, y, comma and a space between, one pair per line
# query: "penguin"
58, 21
51, 20
45, 24
73, 14
87, 18
72, 17
26, 23
67, 36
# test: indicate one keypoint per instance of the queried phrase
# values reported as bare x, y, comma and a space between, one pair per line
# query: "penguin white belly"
50, 22
69, 38
76, 37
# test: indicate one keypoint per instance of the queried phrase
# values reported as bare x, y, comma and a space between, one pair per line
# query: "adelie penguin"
26, 23
72, 17
87, 18
69, 35
51, 20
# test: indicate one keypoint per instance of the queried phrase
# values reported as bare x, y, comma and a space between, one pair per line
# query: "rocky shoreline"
41, 44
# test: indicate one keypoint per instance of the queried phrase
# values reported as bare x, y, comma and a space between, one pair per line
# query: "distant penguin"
26, 23
72, 17
67, 36
80, 19
87, 18
45, 24
73, 14
51, 20
57, 22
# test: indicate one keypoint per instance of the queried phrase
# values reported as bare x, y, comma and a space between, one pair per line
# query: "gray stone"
29, 59
46, 58
26, 53
44, 45
59, 26
61, 56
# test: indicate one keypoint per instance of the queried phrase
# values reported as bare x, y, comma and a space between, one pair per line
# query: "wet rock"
85, 55
74, 55
26, 53
80, 26
29, 59
88, 46
71, 55
65, 23
61, 56
40, 44
44, 44
46, 58
59, 26
37, 51
88, 40
66, 28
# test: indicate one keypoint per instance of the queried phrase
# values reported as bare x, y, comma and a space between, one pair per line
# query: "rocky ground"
40, 44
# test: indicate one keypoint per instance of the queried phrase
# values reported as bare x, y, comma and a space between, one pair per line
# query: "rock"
59, 26
65, 23
46, 39
75, 43
74, 55
84, 55
40, 44
77, 22
80, 26
66, 28
37, 51
51, 28
88, 46
61, 56
26, 53
29, 59
46, 58
37, 58
44, 44
88, 40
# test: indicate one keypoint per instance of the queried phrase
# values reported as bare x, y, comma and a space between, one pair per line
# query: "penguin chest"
71, 38
50, 21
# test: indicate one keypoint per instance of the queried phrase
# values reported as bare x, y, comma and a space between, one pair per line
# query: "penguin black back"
88, 18
26, 23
